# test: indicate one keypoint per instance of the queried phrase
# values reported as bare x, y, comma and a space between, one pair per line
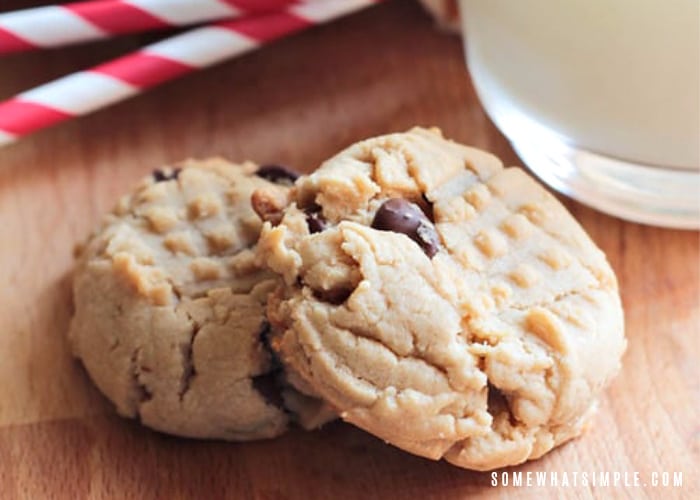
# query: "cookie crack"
175, 288
545, 303
186, 350
142, 392
414, 352
270, 384
496, 402
422, 199
553, 354
189, 371
357, 333
426, 274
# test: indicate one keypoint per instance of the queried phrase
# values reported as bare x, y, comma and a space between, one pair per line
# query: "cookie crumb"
162, 219
221, 238
525, 276
516, 226
478, 196
268, 204
204, 205
556, 258
491, 243
180, 242
205, 269
547, 327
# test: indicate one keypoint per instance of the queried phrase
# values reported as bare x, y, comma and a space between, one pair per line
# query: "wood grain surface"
295, 102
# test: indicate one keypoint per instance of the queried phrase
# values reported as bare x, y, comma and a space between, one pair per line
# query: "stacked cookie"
411, 286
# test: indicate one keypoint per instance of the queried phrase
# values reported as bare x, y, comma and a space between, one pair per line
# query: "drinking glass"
600, 98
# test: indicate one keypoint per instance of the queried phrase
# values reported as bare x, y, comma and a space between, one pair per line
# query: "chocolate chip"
268, 388
335, 296
264, 339
315, 220
267, 384
162, 176
316, 223
398, 215
428, 239
427, 208
264, 334
277, 174
402, 216
497, 403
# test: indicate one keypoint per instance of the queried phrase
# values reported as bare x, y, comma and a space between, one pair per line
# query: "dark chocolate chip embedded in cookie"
162, 175
315, 220
402, 216
277, 174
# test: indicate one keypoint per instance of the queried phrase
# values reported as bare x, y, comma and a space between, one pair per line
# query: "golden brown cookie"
447, 305
170, 306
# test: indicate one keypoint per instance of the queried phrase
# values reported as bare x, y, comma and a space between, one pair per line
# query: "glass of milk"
600, 98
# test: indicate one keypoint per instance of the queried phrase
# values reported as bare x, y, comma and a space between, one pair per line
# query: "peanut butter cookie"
447, 305
170, 306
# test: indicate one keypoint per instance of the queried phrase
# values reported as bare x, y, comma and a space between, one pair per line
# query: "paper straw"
58, 25
86, 91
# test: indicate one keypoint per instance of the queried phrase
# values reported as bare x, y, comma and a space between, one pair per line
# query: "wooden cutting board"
295, 102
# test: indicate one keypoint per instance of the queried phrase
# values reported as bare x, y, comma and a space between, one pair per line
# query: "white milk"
615, 77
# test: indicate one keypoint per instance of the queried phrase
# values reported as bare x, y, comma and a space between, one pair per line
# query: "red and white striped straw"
111, 82
58, 25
